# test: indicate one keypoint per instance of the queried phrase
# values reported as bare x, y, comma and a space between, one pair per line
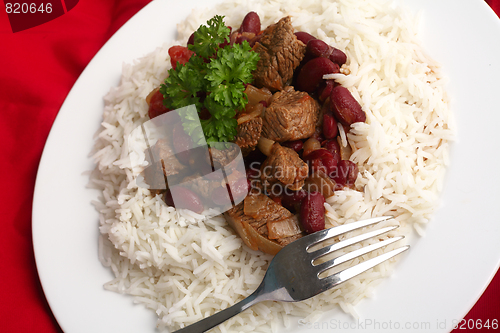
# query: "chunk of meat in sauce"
249, 134
201, 185
163, 151
280, 53
250, 236
284, 165
154, 177
163, 163
219, 158
262, 208
287, 240
252, 218
283, 229
292, 115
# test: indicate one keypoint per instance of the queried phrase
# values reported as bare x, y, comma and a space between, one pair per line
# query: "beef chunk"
287, 240
292, 115
262, 230
241, 224
163, 151
249, 134
284, 165
219, 158
163, 163
262, 208
250, 221
154, 177
280, 53
201, 185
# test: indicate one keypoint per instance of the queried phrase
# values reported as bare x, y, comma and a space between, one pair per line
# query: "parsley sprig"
214, 78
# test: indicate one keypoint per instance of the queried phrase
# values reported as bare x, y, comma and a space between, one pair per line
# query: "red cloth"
39, 67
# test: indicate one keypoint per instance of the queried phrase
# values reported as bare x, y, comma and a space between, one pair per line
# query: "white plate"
438, 281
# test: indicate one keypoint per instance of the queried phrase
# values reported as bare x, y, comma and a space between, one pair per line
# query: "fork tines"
337, 278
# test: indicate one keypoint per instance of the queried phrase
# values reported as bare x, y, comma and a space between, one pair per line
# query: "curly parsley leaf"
182, 86
191, 123
229, 71
208, 38
221, 130
221, 80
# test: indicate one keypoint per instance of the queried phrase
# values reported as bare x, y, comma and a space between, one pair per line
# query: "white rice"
186, 267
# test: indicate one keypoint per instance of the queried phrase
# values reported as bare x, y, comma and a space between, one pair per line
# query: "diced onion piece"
256, 95
345, 152
252, 238
265, 145
248, 35
310, 145
318, 181
284, 228
251, 111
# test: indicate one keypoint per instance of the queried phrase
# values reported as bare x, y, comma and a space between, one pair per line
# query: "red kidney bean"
346, 174
334, 148
325, 91
184, 198
291, 199
345, 108
312, 212
304, 37
321, 160
312, 73
181, 144
318, 134
220, 196
251, 23
330, 129
325, 108
337, 56
156, 106
295, 145
317, 48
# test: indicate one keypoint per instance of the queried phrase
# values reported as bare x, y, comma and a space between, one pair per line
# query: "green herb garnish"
221, 80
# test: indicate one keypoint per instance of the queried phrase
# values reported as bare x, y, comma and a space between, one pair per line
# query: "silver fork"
292, 275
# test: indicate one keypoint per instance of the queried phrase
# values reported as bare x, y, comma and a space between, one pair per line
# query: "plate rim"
39, 183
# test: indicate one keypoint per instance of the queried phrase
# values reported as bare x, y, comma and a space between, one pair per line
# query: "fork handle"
220, 317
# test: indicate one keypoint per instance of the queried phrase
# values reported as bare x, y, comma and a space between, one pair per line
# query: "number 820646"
24, 8
475, 324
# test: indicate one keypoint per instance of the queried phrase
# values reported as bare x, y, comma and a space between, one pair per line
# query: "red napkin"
39, 67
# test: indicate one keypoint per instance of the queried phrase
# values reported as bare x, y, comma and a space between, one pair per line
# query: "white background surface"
437, 281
